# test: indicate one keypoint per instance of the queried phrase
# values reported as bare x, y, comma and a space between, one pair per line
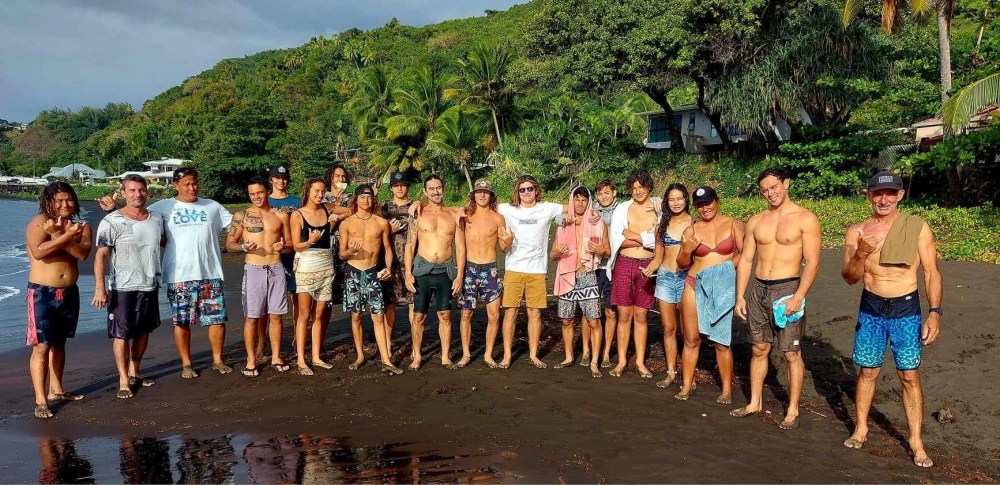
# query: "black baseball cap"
279, 171
704, 194
364, 189
885, 180
398, 178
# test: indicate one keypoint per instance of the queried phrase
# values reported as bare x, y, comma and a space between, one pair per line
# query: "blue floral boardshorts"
363, 291
896, 320
197, 302
481, 283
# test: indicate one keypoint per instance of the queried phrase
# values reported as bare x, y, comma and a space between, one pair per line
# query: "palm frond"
959, 110
851, 9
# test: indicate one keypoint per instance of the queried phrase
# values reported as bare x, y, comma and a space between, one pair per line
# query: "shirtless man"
485, 229
263, 234
56, 244
782, 237
279, 199
890, 304
364, 236
435, 256
629, 268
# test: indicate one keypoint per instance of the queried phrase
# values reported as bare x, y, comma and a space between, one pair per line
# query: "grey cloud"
69, 54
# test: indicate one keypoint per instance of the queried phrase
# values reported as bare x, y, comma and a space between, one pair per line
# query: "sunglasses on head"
525, 190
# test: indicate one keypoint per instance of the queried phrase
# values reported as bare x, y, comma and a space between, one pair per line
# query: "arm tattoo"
237, 223
411, 232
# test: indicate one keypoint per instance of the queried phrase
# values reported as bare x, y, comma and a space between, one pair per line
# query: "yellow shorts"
530, 286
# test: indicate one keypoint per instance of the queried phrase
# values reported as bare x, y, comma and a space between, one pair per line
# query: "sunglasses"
526, 190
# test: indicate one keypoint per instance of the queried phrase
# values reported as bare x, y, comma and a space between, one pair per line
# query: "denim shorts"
670, 285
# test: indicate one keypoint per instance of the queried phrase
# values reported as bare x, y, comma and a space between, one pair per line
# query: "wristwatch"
937, 310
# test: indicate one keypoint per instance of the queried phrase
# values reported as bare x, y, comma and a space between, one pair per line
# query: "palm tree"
959, 110
372, 101
890, 21
483, 83
455, 137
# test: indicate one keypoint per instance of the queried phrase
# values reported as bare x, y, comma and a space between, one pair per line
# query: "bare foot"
221, 368
644, 372
617, 371
304, 370
356, 364
415, 365
65, 396
743, 412
539, 364
390, 368
564, 364
464, 362
670, 379
585, 359
188, 372
594, 371
726, 399
448, 363
504, 364
492, 364
920, 457
42, 411
321, 363
857, 440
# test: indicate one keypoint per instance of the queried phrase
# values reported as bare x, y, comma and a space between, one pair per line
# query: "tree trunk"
944, 46
713, 116
496, 126
659, 96
465, 170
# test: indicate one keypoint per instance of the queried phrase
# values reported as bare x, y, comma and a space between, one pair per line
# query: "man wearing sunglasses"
526, 263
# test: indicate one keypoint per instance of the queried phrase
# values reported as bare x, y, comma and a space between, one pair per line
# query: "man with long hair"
365, 237
435, 257
529, 219
485, 229
56, 244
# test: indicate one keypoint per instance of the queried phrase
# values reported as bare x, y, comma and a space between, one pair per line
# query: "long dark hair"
305, 189
471, 207
515, 199
666, 213
49, 195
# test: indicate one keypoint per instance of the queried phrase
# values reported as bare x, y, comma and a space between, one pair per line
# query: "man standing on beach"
396, 211
365, 237
130, 239
526, 263
435, 256
632, 250
885, 251
782, 237
192, 267
605, 202
263, 235
484, 229
280, 200
55, 245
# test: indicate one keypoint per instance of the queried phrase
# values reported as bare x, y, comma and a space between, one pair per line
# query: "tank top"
324, 241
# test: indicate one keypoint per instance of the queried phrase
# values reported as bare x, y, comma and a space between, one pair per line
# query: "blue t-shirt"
290, 201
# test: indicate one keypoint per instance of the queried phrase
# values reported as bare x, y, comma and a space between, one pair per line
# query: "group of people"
614, 261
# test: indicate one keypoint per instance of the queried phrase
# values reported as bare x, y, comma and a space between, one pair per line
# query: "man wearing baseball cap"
485, 228
885, 252
280, 200
395, 211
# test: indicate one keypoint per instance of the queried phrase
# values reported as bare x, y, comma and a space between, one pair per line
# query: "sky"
71, 53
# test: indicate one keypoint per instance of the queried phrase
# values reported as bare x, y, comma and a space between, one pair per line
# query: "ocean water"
14, 217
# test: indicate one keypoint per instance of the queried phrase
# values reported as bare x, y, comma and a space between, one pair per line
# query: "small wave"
7, 292
18, 252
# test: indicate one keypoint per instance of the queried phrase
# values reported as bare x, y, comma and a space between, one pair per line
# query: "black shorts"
438, 283
604, 287
52, 314
132, 314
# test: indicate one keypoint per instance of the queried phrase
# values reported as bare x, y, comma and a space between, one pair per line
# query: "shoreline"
537, 425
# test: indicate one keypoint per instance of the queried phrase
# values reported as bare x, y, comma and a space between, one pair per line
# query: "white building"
699, 136
162, 169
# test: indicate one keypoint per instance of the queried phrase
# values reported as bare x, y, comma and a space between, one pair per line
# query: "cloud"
68, 54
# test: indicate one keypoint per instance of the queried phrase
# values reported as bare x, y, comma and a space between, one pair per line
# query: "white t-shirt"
530, 225
134, 260
192, 251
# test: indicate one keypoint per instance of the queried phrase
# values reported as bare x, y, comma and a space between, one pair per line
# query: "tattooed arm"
235, 234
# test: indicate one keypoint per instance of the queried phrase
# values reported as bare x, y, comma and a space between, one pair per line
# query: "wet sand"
521, 424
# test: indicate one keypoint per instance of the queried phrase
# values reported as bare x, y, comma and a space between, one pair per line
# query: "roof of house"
73, 169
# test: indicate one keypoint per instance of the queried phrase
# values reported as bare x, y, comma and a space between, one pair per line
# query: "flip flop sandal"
66, 396
562, 365
854, 443
250, 372
794, 424
282, 367
539, 364
742, 412
124, 393
391, 369
42, 411
322, 364
140, 381
304, 371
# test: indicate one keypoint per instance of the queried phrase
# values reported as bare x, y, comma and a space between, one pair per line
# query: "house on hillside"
162, 169
75, 171
699, 136
930, 131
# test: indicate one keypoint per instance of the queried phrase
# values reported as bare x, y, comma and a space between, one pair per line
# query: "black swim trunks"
52, 314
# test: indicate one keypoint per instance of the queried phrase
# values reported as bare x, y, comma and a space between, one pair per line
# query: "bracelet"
243, 246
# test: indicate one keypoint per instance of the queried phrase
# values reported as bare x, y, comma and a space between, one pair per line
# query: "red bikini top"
724, 248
